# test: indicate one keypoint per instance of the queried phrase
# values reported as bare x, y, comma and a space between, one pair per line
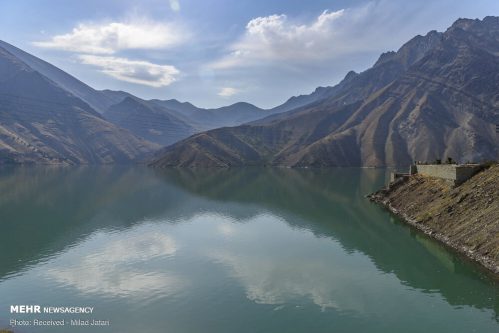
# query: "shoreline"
449, 215
484, 262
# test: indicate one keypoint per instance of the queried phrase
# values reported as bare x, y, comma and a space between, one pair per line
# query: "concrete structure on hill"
455, 173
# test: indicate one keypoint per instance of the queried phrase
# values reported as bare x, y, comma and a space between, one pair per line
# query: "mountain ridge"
137, 130
149, 121
428, 100
40, 122
68, 82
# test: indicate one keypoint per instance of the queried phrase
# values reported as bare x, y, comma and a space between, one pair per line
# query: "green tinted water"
249, 250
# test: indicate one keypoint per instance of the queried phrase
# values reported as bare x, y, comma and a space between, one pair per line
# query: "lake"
243, 250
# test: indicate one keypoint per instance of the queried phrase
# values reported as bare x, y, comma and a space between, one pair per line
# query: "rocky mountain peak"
350, 75
385, 57
489, 24
412, 51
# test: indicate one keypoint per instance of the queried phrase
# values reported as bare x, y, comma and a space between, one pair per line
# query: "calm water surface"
249, 250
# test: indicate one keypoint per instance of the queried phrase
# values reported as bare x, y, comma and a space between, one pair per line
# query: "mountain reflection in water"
196, 241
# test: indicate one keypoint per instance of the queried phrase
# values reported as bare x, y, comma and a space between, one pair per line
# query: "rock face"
40, 122
436, 97
465, 217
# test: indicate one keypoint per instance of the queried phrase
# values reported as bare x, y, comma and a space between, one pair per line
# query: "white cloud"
332, 35
175, 5
227, 92
276, 37
134, 71
112, 37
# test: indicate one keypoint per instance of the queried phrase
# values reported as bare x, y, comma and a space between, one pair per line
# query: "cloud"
276, 37
134, 71
175, 5
332, 35
112, 37
227, 92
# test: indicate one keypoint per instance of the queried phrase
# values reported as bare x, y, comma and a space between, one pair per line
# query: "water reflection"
332, 204
50, 209
298, 269
285, 237
109, 266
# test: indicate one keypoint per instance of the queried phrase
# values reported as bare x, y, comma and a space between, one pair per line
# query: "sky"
218, 52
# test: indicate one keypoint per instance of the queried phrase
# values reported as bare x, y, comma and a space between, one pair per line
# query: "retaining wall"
455, 173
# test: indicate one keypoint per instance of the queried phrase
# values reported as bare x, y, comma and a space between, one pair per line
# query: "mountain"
172, 104
115, 97
161, 122
302, 100
149, 121
436, 97
166, 122
40, 122
96, 99
205, 119
235, 114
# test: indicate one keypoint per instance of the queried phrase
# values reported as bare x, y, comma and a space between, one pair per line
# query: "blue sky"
217, 52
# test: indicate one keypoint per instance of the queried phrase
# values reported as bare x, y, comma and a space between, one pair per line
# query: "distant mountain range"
40, 122
168, 121
48, 116
436, 97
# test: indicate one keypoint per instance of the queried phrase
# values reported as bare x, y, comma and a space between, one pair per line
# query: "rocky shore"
465, 218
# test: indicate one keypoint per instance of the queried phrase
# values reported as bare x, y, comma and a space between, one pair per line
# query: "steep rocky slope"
465, 218
437, 96
42, 123
96, 99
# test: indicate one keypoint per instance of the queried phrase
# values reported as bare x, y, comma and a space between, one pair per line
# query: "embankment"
465, 218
